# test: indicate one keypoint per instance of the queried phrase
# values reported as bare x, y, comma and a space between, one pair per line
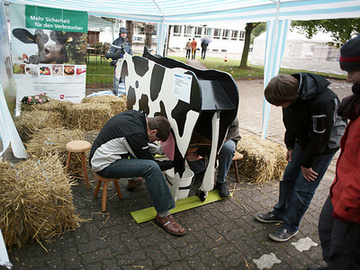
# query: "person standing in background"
204, 44
121, 41
188, 49
193, 48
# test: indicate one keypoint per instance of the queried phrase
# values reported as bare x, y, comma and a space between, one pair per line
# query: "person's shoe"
268, 218
282, 235
223, 190
132, 184
170, 225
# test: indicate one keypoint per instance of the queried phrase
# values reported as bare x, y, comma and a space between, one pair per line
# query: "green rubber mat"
147, 214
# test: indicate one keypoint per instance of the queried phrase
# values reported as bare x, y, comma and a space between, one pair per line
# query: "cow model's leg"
208, 182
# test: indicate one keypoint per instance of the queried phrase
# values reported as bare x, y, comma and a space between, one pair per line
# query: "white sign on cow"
182, 87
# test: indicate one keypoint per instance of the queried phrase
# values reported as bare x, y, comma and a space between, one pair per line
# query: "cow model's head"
50, 44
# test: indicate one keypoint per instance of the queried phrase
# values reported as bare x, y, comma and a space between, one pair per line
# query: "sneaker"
268, 218
281, 234
223, 190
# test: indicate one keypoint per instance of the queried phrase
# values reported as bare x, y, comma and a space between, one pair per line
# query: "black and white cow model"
50, 44
207, 105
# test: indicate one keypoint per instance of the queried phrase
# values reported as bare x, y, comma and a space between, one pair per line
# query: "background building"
225, 38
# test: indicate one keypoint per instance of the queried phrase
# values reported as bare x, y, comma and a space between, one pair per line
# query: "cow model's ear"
23, 35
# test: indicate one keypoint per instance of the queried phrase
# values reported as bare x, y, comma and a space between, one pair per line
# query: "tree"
244, 57
149, 29
340, 30
257, 31
130, 29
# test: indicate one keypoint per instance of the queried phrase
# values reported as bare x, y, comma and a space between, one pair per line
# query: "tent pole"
269, 69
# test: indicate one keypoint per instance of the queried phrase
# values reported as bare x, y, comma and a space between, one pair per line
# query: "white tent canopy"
277, 13
188, 11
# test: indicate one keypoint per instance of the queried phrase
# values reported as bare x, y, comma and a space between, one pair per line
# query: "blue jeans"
116, 82
296, 192
226, 156
154, 179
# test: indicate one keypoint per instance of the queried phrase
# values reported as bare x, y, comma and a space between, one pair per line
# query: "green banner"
56, 19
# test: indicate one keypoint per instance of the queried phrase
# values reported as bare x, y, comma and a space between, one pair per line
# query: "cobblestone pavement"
220, 235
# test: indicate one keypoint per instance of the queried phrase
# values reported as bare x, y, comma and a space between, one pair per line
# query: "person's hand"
309, 174
289, 155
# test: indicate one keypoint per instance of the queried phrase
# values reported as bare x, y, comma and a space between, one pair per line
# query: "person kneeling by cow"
197, 163
127, 135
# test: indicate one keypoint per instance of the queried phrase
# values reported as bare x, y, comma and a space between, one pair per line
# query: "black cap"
350, 55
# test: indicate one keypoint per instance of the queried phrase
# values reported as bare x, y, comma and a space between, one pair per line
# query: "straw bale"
30, 122
36, 202
53, 105
263, 160
117, 104
53, 141
85, 117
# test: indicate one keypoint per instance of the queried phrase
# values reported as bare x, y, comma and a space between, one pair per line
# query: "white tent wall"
302, 53
8, 133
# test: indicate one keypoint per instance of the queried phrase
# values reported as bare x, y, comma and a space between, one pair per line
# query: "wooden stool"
78, 147
237, 157
105, 187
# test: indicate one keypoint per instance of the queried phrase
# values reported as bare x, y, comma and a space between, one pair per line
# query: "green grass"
232, 67
101, 72
179, 58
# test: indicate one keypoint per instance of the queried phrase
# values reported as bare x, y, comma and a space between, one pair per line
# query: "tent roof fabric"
202, 11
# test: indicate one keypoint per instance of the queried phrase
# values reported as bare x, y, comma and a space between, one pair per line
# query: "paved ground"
221, 235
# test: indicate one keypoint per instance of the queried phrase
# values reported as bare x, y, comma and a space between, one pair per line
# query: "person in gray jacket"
121, 41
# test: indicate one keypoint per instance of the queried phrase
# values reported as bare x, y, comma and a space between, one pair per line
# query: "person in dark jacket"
204, 46
226, 155
313, 131
121, 41
339, 223
122, 150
